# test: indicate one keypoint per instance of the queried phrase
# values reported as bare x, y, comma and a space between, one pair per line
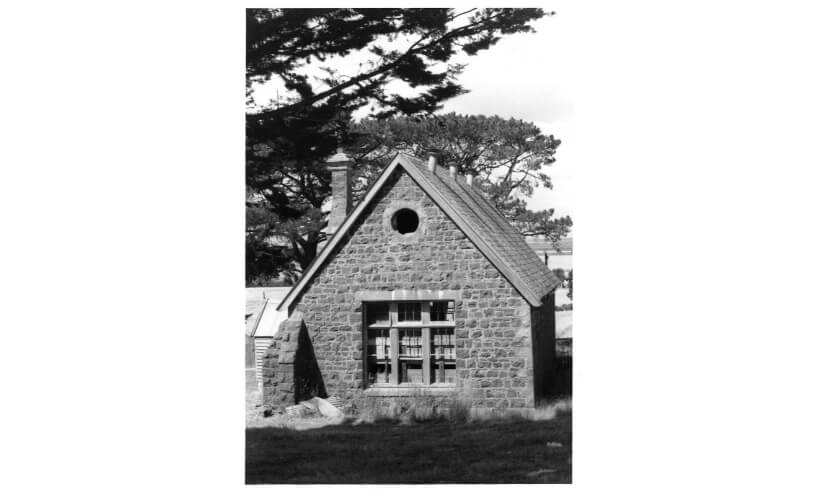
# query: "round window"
405, 221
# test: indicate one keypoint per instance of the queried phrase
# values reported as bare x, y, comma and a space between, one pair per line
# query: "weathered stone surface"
493, 322
290, 371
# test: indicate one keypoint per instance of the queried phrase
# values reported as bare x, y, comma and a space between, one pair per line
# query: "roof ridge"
478, 219
513, 269
445, 178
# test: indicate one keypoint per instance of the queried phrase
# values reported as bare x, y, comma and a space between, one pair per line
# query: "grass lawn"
501, 451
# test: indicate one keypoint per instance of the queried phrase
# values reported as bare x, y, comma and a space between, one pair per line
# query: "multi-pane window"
410, 358
377, 313
409, 312
442, 355
378, 352
441, 311
409, 343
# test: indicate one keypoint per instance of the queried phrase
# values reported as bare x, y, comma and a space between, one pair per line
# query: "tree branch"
457, 32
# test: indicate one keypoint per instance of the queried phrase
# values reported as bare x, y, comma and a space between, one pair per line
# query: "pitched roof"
252, 316
261, 317
479, 220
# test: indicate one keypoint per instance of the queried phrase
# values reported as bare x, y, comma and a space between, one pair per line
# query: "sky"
710, 107
527, 76
524, 76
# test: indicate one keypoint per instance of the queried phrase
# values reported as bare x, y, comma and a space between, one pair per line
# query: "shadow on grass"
496, 451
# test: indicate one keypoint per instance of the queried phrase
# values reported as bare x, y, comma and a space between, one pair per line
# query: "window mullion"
393, 359
427, 362
425, 337
393, 346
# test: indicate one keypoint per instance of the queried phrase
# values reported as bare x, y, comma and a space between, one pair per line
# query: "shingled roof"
479, 220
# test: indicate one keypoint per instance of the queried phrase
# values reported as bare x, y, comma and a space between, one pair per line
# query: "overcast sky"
527, 76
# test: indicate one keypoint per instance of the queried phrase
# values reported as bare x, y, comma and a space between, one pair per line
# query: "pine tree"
303, 52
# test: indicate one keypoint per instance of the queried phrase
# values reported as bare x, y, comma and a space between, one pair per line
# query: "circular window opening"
405, 221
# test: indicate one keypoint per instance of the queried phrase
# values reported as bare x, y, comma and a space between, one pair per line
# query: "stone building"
423, 291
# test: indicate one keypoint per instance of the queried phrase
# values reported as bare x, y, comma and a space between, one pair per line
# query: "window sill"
411, 390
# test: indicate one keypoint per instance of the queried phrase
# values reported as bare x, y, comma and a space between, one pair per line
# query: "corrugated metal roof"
499, 242
258, 302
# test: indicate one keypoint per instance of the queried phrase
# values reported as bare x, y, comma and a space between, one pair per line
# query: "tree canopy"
326, 65
508, 156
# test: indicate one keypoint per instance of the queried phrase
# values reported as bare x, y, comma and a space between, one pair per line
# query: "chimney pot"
469, 179
453, 170
339, 158
432, 162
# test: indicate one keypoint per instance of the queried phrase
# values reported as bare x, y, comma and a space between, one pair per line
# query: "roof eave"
339, 234
440, 199
473, 236
258, 318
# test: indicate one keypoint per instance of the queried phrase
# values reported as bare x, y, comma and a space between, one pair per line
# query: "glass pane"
443, 355
378, 352
410, 356
377, 313
409, 312
411, 343
441, 311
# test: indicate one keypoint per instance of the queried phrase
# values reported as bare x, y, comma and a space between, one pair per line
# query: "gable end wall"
493, 322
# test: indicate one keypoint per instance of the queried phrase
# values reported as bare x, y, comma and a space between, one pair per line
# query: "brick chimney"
340, 165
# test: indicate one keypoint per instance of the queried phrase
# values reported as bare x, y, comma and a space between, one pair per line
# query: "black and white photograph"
408, 272
304, 247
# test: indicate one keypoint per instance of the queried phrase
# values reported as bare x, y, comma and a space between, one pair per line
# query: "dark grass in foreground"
501, 451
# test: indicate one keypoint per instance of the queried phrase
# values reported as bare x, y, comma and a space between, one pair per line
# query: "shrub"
460, 411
